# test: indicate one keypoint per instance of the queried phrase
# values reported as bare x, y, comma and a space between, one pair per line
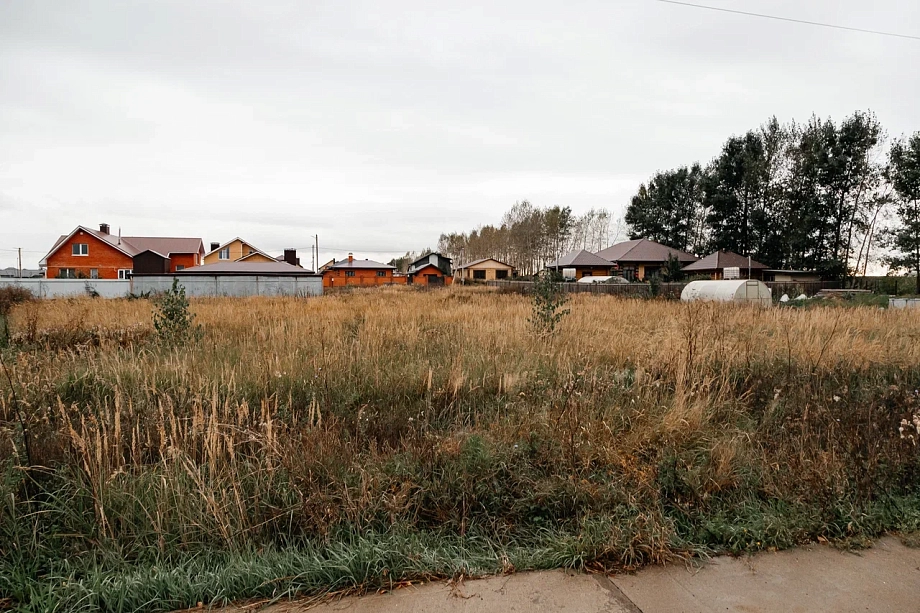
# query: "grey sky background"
379, 125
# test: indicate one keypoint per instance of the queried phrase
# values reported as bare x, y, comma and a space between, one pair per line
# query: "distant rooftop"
276, 269
580, 258
643, 250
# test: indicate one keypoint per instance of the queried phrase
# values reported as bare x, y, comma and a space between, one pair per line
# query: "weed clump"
548, 300
173, 321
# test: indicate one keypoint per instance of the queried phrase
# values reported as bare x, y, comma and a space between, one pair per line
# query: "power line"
789, 19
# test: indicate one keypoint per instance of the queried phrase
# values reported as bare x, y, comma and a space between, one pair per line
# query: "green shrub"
173, 321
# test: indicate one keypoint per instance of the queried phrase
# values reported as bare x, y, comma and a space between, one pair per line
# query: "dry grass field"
356, 440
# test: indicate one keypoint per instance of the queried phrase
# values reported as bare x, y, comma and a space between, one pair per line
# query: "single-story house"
584, 263
359, 272
714, 266
486, 269
431, 269
641, 259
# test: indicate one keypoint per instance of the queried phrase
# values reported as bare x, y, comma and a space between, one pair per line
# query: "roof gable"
483, 261
580, 258
108, 239
242, 243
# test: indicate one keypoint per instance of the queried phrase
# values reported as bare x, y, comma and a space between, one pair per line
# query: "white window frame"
125, 273
64, 273
224, 254
179, 267
93, 273
79, 249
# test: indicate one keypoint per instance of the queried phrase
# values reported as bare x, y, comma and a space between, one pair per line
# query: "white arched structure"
748, 291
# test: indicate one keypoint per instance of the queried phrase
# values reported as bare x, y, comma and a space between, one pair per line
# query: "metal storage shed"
737, 290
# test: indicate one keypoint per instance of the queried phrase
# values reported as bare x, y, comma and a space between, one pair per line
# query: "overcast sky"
379, 125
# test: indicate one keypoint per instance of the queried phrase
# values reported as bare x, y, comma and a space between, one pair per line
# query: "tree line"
813, 196
822, 195
529, 237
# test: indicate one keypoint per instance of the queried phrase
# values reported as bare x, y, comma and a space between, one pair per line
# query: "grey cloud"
270, 118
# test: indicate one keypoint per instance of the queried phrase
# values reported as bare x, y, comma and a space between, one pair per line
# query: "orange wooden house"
352, 272
97, 254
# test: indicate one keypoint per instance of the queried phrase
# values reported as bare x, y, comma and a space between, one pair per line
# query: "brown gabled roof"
363, 264
132, 245
165, 245
114, 241
580, 258
723, 259
643, 250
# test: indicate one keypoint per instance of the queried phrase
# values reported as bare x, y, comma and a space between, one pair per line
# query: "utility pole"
313, 258
318, 261
20, 262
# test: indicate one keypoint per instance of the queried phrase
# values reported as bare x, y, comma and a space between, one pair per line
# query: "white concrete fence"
203, 285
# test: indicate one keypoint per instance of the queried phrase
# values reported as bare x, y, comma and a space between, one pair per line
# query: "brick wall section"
363, 277
421, 277
183, 259
104, 257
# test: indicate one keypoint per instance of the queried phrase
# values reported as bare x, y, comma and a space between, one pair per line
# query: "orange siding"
183, 259
420, 277
591, 271
104, 257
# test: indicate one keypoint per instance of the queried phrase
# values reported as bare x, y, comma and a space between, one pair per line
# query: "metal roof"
643, 250
580, 258
273, 269
361, 264
723, 259
132, 245
162, 244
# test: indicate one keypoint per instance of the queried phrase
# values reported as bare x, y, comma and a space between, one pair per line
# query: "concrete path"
884, 578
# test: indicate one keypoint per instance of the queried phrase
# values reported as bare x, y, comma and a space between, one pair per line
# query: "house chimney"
104, 228
290, 256
351, 258
214, 246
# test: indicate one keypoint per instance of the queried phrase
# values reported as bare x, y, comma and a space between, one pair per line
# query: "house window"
93, 273
381, 273
180, 267
80, 249
224, 254
124, 273
349, 273
501, 274
479, 274
67, 273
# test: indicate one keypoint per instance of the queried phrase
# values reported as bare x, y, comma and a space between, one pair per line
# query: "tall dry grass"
643, 430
